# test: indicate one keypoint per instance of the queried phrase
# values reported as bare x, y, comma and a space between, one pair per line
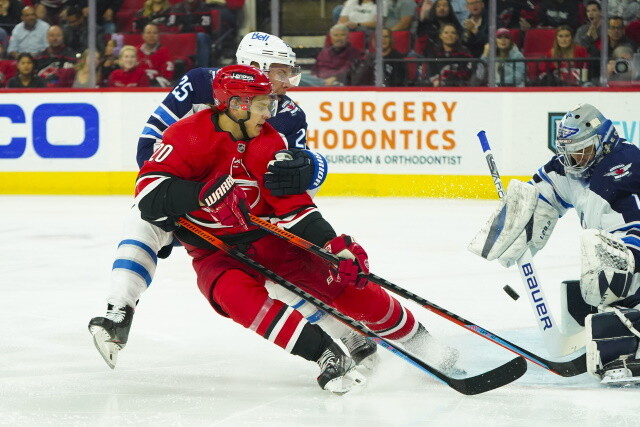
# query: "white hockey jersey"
608, 199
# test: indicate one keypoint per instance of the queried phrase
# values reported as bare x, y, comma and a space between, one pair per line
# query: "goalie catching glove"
354, 260
225, 201
607, 268
523, 221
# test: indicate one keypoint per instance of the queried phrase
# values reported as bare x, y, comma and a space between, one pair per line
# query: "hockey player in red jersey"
210, 169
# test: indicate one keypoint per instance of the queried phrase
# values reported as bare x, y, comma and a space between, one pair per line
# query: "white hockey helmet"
581, 138
265, 49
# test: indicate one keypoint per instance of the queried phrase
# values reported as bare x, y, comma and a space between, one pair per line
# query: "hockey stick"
490, 380
566, 369
557, 342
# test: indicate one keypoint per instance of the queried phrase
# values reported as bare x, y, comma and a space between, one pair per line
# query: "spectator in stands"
459, 9
567, 70
441, 13
55, 8
153, 12
109, 60
154, 58
42, 13
589, 33
76, 31
359, 15
26, 77
10, 11
130, 74
395, 73
517, 14
476, 27
620, 67
230, 11
192, 16
615, 31
553, 13
507, 73
81, 79
4, 41
400, 14
334, 62
28, 36
55, 64
450, 73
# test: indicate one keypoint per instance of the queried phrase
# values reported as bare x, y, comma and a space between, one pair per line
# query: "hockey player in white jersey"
598, 174
300, 170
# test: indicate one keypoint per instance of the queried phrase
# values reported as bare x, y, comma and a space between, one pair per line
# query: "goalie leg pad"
611, 337
607, 268
523, 221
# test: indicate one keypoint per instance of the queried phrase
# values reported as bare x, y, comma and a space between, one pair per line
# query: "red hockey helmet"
243, 82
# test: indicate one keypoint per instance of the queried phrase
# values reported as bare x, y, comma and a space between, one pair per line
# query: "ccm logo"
51, 144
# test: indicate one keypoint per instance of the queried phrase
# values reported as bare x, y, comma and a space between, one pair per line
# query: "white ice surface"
186, 365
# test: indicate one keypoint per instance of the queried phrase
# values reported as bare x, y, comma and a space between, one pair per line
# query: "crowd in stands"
538, 42
439, 43
138, 43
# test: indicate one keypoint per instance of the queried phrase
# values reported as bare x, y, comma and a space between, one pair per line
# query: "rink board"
410, 143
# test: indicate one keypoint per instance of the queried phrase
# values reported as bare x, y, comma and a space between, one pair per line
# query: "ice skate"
110, 333
622, 373
435, 353
363, 350
338, 373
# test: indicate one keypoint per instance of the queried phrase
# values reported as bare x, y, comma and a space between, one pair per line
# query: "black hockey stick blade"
493, 379
569, 368
502, 375
566, 369
487, 381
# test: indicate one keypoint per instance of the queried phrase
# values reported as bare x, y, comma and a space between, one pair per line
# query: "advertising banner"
377, 143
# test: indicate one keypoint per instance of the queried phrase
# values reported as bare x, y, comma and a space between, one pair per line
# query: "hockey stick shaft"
490, 380
568, 369
557, 343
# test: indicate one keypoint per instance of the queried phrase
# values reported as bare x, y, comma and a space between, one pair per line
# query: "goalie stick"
502, 375
566, 369
558, 343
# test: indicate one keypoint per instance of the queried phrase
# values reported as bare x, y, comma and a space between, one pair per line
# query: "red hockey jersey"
196, 149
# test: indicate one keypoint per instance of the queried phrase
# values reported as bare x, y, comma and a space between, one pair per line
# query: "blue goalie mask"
581, 138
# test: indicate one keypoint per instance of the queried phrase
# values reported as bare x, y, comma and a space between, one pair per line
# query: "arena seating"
181, 46
537, 43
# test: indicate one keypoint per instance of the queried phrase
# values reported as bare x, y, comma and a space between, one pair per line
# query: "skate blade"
622, 382
107, 349
351, 382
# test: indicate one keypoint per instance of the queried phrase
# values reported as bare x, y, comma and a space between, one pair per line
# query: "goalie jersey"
193, 93
608, 199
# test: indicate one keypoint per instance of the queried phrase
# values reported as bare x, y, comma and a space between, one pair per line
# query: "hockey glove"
354, 260
291, 173
225, 201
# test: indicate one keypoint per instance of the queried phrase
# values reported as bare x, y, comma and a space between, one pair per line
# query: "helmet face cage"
265, 49
579, 138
